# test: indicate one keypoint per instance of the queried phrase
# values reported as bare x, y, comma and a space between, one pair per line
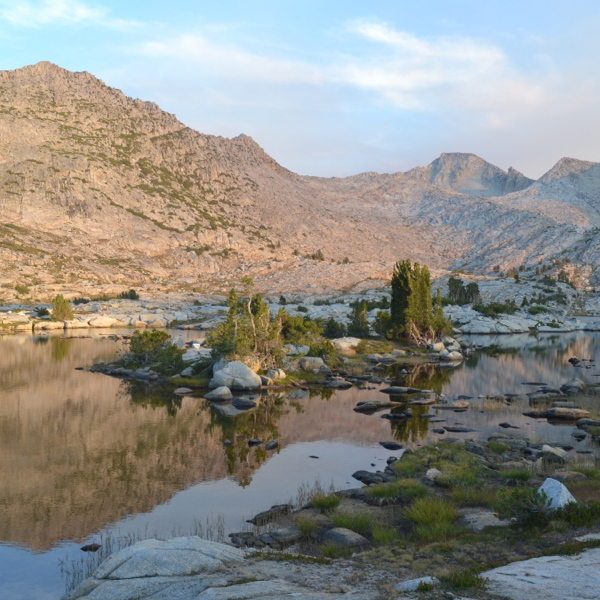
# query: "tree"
401, 291
61, 309
359, 320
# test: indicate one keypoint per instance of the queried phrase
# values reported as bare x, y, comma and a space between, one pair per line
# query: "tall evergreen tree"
401, 291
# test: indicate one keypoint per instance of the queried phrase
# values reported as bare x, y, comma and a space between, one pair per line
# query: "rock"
397, 390
587, 423
243, 403
276, 511
345, 538
558, 495
220, 394
431, 475
308, 363
286, 535
325, 370
266, 381
507, 426
437, 347
183, 391
459, 429
371, 406
573, 386
271, 445
391, 445
548, 578
477, 519
91, 547
236, 376
276, 374
187, 372
558, 413
451, 356
412, 585
254, 442
345, 344
552, 454
367, 477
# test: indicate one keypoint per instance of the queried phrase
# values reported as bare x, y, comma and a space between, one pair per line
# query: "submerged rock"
236, 376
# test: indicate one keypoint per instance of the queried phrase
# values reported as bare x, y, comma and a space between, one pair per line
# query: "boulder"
236, 376
556, 455
345, 344
574, 414
345, 538
220, 394
276, 374
450, 356
243, 403
558, 495
308, 363
412, 585
573, 386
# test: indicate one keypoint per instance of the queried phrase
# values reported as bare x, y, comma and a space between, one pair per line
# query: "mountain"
100, 192
471, 175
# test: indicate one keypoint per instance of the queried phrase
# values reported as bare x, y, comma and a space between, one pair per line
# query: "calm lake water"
85, 456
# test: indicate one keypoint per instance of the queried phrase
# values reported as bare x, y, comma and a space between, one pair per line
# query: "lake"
84, 455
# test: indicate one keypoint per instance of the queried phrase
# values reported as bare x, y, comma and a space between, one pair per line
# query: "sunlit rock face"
102, 191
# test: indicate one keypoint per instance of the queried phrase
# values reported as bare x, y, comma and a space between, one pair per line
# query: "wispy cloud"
424, 73
230, 61
56, 12
399, 68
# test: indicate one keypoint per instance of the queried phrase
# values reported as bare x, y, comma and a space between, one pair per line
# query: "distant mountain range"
99, 191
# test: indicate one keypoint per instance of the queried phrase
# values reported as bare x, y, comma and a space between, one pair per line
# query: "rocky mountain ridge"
99, 192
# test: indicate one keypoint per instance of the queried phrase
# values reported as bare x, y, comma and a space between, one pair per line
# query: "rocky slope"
99, 192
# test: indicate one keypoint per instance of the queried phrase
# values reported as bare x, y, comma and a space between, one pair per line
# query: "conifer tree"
401, 291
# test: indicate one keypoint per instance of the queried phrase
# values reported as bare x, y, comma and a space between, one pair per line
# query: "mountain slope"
99, 191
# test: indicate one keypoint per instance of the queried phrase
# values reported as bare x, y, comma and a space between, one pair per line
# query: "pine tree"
401, 291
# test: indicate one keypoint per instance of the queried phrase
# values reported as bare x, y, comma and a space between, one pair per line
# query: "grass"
434, 519
409, 466
465, 580
514, 476
401, 489
332, 550
360, 522
382, 534
498, 447
326, 502
307, 526
473, 496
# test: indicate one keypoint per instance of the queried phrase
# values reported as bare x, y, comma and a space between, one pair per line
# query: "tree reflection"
60, 348
427, 376
154, 396
413, 429
261, 423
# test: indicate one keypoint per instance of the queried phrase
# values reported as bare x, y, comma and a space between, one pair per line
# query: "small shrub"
498, 447
402, 489
325, 503
524, 505
468, 579
516, 475
61, 309
382, 534
432, 511
155, 347
42, 312
307, 526
332, 550
130, 295
21, 289
473, 496
361, 522
425, 586
408, 466
80, 300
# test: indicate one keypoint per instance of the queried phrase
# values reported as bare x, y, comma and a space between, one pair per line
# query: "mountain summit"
469, 174
101, 191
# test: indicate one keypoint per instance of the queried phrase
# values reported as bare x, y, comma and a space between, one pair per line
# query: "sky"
338, 87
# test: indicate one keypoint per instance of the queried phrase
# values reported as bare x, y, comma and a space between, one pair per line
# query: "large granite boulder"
236, 376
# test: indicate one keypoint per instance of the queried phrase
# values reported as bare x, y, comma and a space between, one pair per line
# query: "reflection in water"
80, 450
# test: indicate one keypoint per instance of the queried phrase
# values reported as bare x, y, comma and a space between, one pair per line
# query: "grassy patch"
514, 476
360, 522
325, 502
401, 489
465, 580
498, 447
332, 550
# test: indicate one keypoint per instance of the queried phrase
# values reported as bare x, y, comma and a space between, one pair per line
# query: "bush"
360, 522
333, 329
42, 312
525, 506
80, 300
61, 309
325, 503
155, 347
130, 295
21, 289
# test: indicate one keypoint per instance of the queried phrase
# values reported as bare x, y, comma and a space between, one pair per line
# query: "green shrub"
408, 466
468, 579
42, 312
130, 295
155, 348
325, 503
361, 522
61, 309
21, 289
525, 506
516, 475
80, 300
382, 534
431, 511
498, 447
401, 489
307, 526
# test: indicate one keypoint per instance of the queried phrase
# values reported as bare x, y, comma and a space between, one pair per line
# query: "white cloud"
451, 72
51, 12
230, 61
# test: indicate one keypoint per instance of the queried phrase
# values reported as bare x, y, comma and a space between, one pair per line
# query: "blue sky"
334, 88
